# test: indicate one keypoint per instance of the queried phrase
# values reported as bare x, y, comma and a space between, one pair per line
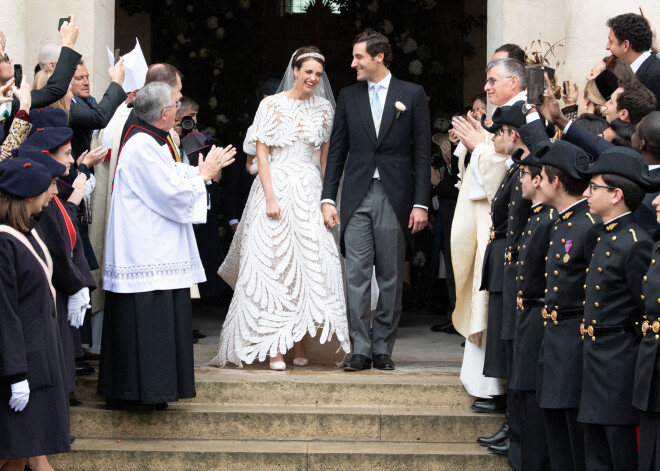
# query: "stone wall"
29, 24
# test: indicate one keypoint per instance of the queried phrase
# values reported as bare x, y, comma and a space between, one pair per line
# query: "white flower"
182, 39
220, 32
415, 67
373, 6
213, 102
400, 106
221, 118
212, 22
387, 26
409, 45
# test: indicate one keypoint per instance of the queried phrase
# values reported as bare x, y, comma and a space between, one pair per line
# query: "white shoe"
300, 362
277, 365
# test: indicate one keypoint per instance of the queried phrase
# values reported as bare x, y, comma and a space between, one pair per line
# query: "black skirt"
649, 441
147, 350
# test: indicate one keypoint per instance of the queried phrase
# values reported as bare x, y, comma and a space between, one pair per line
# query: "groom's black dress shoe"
498, 438
502, 449
383, 362
494, 405
358, 363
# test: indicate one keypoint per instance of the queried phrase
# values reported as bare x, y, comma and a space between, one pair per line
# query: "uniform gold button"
607, 254
557, 255
613, 237
587, 270
556, 273
512, 218
596, 304
546, 259
563, 241
653, 261
600, 270
545, 323
521, 278
517, 189
521, 263
546, 275
554, 289
550, 243
643, 297
513, 203
524, 246
646, 278
584, 286
597, 288
598, 240
546, 292
537, 219
570, 224
584, 303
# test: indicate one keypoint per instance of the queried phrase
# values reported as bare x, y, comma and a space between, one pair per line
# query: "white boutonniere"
400, 108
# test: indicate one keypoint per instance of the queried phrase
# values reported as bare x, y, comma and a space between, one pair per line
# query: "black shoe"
160, 405
383, 362
134, 406
198, 335
83, 369
441, 327
358, 363
501, 449
74, 402
496, 439
494, 405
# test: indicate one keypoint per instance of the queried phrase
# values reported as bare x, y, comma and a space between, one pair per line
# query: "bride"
283, 263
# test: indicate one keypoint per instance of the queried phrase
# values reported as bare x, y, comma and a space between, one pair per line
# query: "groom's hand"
418, 219
330, 216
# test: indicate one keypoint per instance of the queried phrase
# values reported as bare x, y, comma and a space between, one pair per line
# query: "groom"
381, 141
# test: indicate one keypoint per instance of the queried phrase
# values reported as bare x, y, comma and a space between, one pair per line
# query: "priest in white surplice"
151, 260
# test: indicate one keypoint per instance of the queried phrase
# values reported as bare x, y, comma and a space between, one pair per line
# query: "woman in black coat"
34, 412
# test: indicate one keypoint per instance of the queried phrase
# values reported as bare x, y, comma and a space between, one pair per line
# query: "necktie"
376, 107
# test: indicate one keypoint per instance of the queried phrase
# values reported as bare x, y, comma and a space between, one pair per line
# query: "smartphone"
566, 85
61, 22
18, 75
116, 55
535, 85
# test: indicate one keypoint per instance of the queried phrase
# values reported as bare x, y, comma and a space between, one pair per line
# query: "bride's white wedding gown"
286, 274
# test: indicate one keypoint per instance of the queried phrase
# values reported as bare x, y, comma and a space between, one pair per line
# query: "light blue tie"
376, 107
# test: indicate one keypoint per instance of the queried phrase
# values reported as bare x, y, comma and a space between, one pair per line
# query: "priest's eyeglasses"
593, 186
177, 104
491, 81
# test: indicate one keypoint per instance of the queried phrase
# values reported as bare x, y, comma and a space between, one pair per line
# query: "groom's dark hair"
376, 43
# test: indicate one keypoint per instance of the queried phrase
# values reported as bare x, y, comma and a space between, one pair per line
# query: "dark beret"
47, 117
24, 178
511, 115
42, 157
568, 158
49, 138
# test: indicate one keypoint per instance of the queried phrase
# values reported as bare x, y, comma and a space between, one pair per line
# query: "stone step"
235, 455
331, 388
286, 422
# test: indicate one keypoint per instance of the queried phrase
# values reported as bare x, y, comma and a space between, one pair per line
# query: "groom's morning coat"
402, 150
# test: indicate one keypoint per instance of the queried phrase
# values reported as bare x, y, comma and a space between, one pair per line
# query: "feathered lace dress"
286, 274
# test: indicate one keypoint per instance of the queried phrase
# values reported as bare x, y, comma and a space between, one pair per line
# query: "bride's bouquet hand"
273, 210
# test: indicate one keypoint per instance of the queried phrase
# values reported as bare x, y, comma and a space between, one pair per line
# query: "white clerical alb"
150, 244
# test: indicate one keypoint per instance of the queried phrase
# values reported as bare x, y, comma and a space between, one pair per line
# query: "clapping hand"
469, 136
92, 157
78, 189
217, 159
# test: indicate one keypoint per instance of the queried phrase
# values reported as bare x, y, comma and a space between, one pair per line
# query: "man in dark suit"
382, 138
646, 141
630, 39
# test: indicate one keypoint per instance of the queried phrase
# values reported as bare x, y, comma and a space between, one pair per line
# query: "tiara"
315, 55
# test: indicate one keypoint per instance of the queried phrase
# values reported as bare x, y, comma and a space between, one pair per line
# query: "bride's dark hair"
297, 61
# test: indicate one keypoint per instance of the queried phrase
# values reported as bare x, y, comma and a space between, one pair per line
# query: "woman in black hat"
36, 421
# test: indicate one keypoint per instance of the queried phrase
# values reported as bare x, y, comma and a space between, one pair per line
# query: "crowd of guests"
544, 220
553, 215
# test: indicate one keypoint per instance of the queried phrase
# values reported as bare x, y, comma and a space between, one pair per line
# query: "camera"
187, 124
437, 162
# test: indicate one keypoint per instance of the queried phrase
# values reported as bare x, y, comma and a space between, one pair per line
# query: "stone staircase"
256, 419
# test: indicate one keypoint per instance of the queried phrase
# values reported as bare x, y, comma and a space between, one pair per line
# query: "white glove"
20, 395
77, 307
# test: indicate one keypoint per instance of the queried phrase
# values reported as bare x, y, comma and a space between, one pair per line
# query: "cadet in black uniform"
646, 394
34, 409
573, 237
614, 307
509, 214
530, 280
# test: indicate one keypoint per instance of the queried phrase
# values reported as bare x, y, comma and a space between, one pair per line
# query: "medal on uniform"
567, 249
